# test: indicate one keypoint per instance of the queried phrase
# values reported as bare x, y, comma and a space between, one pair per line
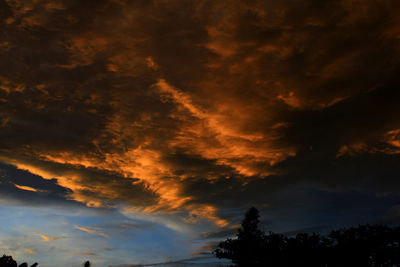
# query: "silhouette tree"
305, 250
24, 264
87, 264
7, 261
35, 264
248, 247
365, 246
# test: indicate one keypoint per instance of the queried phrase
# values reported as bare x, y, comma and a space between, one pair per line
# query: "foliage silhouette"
249, 246
7, 261
87, 264
364, 246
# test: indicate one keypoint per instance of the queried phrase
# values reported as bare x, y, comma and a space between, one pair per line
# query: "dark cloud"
194, 261
221, 234
123, 226
203, 108
37, 192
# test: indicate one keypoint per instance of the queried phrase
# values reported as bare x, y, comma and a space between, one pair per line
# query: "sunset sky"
136, 132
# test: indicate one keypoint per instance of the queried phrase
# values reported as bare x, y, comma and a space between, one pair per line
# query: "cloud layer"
199, 109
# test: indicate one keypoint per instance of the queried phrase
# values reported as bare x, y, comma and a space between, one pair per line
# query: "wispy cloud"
47, 238
30, 251
26, 188
91, 230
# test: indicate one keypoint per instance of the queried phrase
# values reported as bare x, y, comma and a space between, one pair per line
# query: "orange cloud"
26, 188
204, 211
143, 164
393, 138
108, 99
30, 251
290, 100
352, 149
84, 49
91, 230
10, 86
48, 239
231, 146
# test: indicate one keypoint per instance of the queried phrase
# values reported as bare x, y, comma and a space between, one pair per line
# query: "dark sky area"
141, 131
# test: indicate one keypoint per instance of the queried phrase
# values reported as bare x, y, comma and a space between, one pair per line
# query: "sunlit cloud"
91, 230
393, 138
48, 239
216, 136
185, 113
30, 251
27, 188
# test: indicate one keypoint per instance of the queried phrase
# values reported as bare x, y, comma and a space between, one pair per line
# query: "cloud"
234, 148
197, 110
91, 230
30, 251
49, 193
87, 253
128, 225
47, 239
224, 233
27, 188
193, 261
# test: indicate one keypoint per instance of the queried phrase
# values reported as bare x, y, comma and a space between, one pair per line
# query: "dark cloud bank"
204, 108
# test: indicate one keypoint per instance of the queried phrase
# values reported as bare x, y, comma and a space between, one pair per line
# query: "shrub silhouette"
87, 264
364, 246
7, 261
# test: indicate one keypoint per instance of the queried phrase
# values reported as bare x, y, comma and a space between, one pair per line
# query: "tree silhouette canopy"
8, 261
364, 246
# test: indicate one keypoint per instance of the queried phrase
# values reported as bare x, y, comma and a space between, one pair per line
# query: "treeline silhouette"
8, 261
363, 246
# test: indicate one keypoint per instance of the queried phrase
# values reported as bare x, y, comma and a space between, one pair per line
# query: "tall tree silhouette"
87, 264
248, 248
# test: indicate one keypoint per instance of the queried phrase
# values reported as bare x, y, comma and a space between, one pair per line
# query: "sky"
139, 132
